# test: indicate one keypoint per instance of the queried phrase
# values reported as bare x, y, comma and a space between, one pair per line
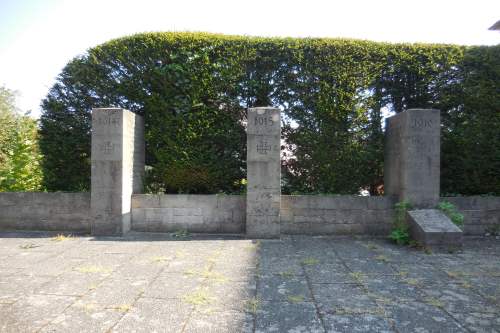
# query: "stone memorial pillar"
412, 157
263, 172
411, 173
118, 154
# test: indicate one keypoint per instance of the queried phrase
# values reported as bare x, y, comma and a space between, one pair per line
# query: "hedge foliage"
193, 89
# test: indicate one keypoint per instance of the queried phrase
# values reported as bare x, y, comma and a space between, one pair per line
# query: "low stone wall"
481, 214
300, 214
336, 215
45, 211
194, 213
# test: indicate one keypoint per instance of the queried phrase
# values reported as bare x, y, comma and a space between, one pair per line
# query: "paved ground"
148, 283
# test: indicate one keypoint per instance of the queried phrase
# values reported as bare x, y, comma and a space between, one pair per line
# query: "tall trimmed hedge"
193, 89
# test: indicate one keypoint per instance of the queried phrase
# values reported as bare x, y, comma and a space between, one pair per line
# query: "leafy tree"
19, 154
193, 89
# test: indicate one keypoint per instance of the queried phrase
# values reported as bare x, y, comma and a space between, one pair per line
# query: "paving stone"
328, 273
15, 286
25, 259
155, 315
275, 265
150, 282
287, 317
7, 271
425, 272
173, 286
421, 317
141, 268
89, 250
357, 323
83, 317
32, 312
479, 322
486, 285
219, 322
181, 265
338, 298
371, 266
455, 298
276, 287
73, 283
394, 254
237, 273
116, 292
347, 249
226, 295
388, 289
53, 266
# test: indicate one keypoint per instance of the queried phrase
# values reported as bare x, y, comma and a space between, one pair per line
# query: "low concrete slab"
433, 229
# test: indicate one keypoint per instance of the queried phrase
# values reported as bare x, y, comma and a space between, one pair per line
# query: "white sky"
38, 37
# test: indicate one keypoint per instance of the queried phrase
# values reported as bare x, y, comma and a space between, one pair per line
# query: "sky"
39, 37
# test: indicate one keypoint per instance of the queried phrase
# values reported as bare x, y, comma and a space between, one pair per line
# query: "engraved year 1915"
264, 121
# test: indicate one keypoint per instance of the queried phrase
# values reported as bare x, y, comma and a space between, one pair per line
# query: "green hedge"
193, 89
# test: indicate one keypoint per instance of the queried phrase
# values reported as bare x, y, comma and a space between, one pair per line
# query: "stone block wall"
300, 214
45, 211
481, 214
336, 215
195, 213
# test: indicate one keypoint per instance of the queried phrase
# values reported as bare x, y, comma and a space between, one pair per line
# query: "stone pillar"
263, 172
412, 157
118, 155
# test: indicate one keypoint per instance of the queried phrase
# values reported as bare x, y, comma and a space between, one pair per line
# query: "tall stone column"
412, 157
118, 157
263, 172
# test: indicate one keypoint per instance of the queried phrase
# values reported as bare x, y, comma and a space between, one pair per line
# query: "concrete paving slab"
32, 312
155, 315
287, 317
220, 322
146, 282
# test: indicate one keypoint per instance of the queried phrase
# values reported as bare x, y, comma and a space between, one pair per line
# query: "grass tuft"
310, 261
252, 305
61, 238
412, 282
382, 258
287, 274
28, 246
159, 259
122, 308
199, 297
182, 233
357, 311
434, 302
371, 246
207, 274
92, 269
359, 277
295, 299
